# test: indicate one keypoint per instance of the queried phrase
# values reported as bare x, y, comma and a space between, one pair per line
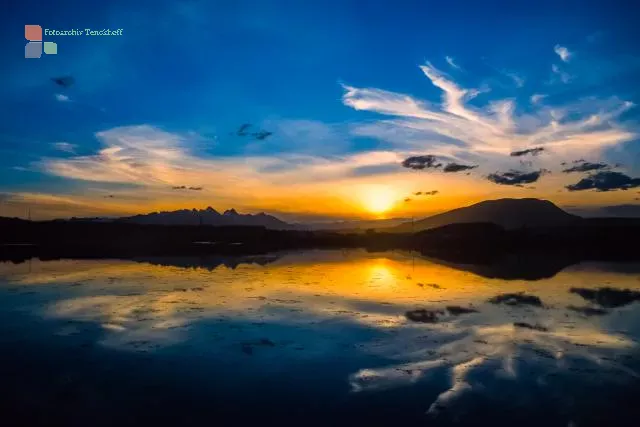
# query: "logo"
35, 46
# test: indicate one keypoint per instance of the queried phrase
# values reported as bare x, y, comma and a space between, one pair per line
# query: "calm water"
318, 337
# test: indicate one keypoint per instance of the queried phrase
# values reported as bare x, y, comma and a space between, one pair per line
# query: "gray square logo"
33, 50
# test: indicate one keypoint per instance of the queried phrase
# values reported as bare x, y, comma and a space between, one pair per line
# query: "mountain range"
209, 216
508, 213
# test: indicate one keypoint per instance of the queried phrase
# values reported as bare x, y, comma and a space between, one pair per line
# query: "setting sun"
378, 199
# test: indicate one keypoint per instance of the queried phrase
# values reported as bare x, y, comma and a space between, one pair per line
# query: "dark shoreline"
474, 243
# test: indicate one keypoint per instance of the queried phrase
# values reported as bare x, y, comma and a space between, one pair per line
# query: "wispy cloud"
64, 146
517, 79
451, 62
562, 52
62, 98
560, 74
150, 162
537, 98
460, 131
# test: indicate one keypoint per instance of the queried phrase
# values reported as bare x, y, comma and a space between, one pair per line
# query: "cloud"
426, 193
57, 206
450, 128
562, 52
533, 151
184, 187
242, 130
583, 166
534, 327
133, 158
456, 167
62, 98
456, 130
605, 181
426, 161
514, 177
562, 75
608, 297
537, 97
262, 135
516, 299
588, 311
452, 63
518, 80
64, 146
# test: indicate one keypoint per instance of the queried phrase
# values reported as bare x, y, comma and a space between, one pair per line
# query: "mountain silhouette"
209, 216
508, 213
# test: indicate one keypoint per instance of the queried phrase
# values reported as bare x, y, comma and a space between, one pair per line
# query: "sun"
378, 199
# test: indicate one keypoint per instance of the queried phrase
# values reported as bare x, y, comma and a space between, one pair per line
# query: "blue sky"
338, 84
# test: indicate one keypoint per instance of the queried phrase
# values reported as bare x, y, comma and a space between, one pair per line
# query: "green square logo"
50, 48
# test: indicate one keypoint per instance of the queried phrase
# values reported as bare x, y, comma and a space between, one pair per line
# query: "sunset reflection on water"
268, 313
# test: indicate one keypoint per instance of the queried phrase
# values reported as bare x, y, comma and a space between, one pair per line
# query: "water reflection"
483, 334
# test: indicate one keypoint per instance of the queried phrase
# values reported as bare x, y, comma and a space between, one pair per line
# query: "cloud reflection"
324, 305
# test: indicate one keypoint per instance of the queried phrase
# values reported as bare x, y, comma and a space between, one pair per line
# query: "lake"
319, 338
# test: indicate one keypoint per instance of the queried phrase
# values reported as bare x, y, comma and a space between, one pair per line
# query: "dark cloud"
431, 285
64, 81
427, 161
516, 299
184, 187
110, 196
456, 167
456, 310
419, 193
242, 130
586, 167
533, 151
423, 315
526, 325
426, 193
607, 297
514, 177
605, 181
407, 199
588, 311
262, 135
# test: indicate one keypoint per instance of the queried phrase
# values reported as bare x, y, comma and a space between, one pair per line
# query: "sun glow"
378, 199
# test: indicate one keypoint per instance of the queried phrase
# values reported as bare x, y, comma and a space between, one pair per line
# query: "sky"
367, 104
